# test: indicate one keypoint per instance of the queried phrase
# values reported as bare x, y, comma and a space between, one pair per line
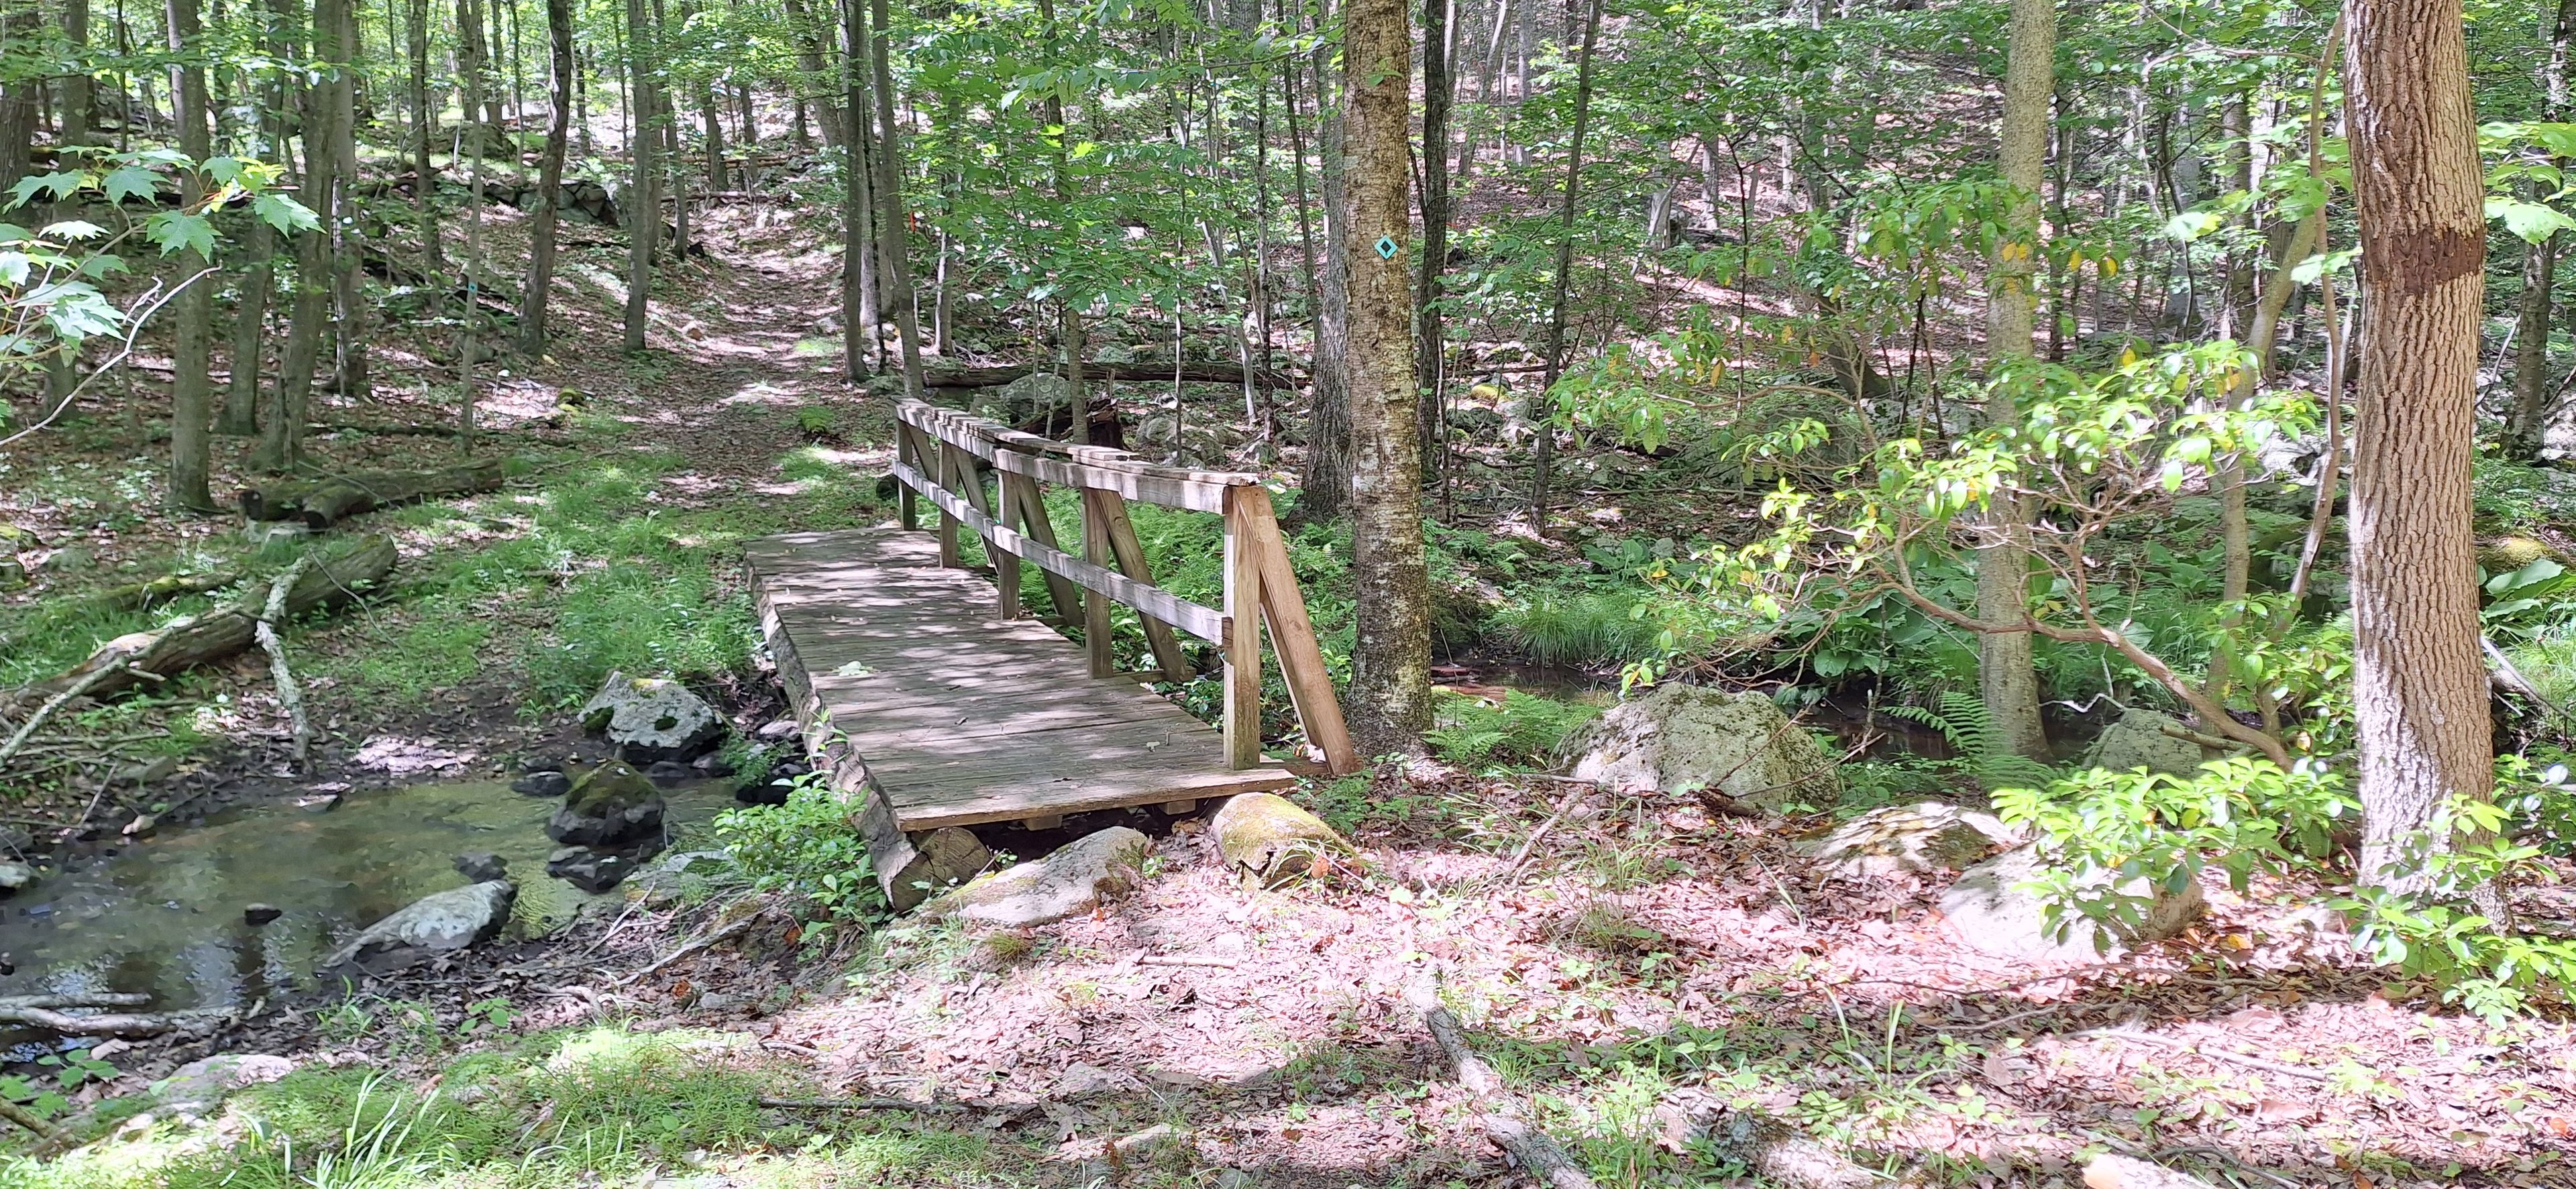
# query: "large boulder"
652, 718
1022, 399
2139, 740
1991, 910
1691, 737
1267, 840
438, 923
1910, 840
609, 805
1069, 882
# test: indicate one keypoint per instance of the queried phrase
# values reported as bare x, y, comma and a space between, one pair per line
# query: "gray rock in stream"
610, 804
438, 923
652, 718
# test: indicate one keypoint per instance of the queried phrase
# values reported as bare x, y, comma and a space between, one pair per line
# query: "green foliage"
1983, 751
809, 847
2108, 831
1581, 628
1520, 729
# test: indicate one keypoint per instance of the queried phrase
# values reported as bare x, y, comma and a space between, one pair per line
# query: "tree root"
265, 631
48, 1012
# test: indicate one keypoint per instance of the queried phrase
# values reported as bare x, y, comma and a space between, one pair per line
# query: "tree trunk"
541, 231
80, 100
2419, 686
2006, 676
711, 118
472, 80
424, 127
19, 25
2526, 422
1540, 416
193, 311
339, 19
1325, 488
1438, 91
281, 443
644, 202
1390, 690
858, 221
894, 234
812, 72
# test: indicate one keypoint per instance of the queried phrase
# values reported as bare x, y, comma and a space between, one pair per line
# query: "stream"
163, 915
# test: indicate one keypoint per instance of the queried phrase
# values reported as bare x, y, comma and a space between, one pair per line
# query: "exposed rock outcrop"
1687, 737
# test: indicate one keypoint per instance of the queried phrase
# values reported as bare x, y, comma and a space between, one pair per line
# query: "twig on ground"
732, 930
46, 1132
1186, 960
27, 729
46, 1012
1501, 1119
1564, 805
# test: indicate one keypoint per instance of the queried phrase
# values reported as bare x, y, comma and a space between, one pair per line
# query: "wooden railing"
946, 457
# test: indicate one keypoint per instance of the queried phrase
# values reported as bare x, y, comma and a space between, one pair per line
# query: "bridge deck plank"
958, 717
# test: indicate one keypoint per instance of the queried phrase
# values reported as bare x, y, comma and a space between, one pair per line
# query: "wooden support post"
1292, 634
1095, 605
907, 450
1021, 492
1242, 720
1112, 510
947, 524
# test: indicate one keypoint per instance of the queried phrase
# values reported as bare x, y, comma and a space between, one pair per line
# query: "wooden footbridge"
939, 700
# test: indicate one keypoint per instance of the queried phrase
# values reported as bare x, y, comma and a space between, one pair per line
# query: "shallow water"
164, 914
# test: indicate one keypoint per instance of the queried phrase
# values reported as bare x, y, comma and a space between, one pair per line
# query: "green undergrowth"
595, 566
596, 1105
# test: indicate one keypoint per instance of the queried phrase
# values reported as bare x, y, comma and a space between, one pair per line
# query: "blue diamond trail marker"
1386, 247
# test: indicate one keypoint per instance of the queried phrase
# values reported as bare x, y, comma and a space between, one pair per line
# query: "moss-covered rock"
1691, 737
611, 804
1268, 841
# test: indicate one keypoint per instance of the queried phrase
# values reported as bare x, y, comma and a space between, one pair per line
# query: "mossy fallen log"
322, 502
340, 573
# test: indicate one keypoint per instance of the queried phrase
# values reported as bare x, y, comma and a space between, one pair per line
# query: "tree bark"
2526, 422
424, 126
281, 443
541, 232
2419, 686
644, 200
809, 65
1390, 691
2007, 679
1438, 91
80, 100
1324, 490
321, 503
894, 234
193, 311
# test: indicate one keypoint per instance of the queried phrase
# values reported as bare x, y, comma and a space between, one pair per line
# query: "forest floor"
1610, 953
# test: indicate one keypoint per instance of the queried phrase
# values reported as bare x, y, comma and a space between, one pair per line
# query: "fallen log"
1190, 373
53, 1014
1501, 1120
322, 502
137, 596
193, 640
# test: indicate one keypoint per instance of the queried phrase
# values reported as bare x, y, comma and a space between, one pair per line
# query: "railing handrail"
1014, 525
1099, 468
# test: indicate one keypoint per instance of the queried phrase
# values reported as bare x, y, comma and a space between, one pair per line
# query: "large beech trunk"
321, 503
193, 640
1390, 692
2418, 683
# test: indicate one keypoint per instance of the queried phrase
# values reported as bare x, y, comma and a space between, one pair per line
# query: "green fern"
1983, 751
1522, 729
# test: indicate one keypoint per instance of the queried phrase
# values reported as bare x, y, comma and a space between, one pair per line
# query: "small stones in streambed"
256, 915
542, 784
481, 866
777, 730
712, 766
666, 773
150, 772
770, 788
318, 803
14, 876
